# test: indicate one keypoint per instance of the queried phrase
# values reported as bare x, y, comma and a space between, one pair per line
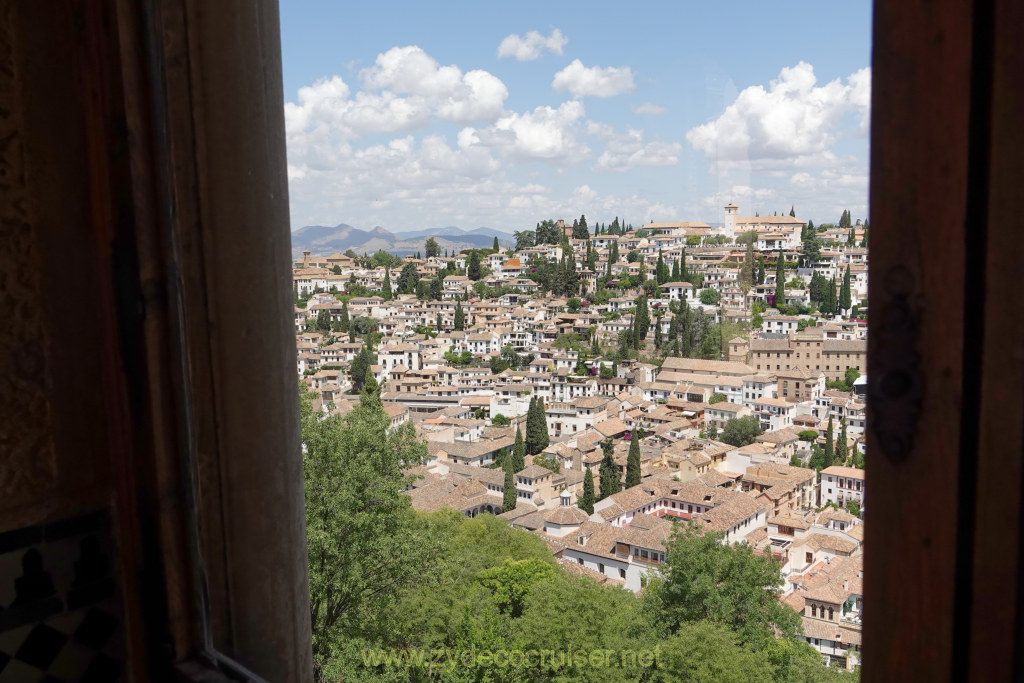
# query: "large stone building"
809, 349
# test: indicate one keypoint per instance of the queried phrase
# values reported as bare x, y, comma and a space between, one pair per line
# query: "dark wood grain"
997, 579
919, 153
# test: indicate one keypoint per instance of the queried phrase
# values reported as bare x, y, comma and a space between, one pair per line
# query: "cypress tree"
747, 272
460, 318
642, 322
780, 281
633, 462
675, 271
683, 275
831, 303
344, 316
792, 211
609, 471
673, 336
473, 269
845, 296
370, 385
518, 459
437, 322
841, 450
830, 455
496, 246
760, 270
586, 502
661, 271
536, 427
509, 498
388, 296
685, 329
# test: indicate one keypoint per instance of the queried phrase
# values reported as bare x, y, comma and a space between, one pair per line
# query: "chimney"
305, 259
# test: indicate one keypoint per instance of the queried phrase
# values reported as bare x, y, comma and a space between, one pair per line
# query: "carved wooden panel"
27, 456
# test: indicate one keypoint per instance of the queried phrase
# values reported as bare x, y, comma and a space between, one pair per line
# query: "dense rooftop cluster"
600, 389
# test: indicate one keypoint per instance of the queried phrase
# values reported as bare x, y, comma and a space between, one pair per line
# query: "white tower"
730, 219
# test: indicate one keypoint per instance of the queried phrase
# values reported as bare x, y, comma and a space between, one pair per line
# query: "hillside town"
599, 384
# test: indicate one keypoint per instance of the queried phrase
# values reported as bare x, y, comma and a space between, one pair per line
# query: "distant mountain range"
322, 240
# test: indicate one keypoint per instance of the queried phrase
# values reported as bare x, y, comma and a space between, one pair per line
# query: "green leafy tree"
460, 318
498, 365
362, 539
741, 431
509, 355
524, 239
360, 366
586, 502
817, 460
708, 581
432, 249
633, 461
710, 297
323, 321
853, 507
708, 651
608, 472
510, 583
408, 278
717, 398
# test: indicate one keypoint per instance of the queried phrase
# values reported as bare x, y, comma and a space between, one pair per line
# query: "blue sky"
422, 115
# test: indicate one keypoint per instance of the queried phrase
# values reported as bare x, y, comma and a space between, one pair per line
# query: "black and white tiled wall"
60, 606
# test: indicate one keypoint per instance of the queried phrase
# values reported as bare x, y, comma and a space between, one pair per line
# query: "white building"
840, 485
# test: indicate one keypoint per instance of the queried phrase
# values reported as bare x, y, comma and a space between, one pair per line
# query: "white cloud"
794, 122
648, 108
403, 91
745, 196
529, 47
454, 96
598, 81
544, 133
626, 151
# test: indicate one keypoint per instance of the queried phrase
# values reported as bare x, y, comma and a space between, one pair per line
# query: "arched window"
830, 614
814, 610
